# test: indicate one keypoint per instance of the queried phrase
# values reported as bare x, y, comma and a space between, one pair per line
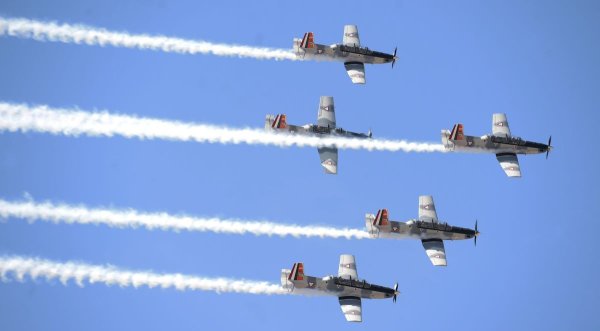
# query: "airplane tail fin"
457, 132
276, 122
297, 273
381, 219
308, 41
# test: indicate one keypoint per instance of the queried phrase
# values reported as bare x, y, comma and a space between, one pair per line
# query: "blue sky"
534, 265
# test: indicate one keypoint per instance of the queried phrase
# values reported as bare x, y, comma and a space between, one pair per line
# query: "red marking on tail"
279, 122
308, 40
297, 272
381, 218
457, 132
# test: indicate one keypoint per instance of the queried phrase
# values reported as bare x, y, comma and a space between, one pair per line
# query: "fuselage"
415, 229
341, 53
312, 129
492, 144
336, 286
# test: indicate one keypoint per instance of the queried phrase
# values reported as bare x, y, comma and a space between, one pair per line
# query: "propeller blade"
549, 147
476, 234
395, 292
394, 59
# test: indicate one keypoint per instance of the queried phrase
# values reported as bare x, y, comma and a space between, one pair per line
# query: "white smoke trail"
119, 218
81, 34
21, 267
24, 118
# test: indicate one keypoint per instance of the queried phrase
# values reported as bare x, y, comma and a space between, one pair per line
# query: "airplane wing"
347, 269
352, 308
356, 71
351, 36
500, 125
435, 251
510, 164
427, 211
326, 116
329, 159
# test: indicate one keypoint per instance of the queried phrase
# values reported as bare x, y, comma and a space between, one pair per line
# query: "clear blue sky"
535, 265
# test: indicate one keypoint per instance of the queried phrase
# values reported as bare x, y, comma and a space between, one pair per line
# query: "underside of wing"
347, 269
351, 36
356, 71
500, 125
510, 164
329, 159
352, 308
435, 251
326, 115
427, 211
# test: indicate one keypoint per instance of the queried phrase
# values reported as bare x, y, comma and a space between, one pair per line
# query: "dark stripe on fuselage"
362, 51
518, 142
363, 285
445, 227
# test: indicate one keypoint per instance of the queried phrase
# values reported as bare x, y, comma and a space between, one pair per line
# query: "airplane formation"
346, 285
349, 289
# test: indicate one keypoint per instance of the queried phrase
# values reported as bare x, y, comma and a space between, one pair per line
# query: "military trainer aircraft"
349, 51
500, 142
346, 286
427, 228
325, 127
